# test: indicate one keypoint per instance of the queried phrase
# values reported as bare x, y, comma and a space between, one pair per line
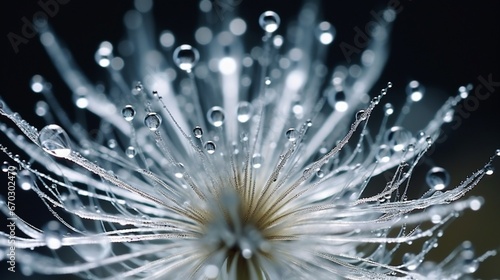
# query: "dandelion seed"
228, 162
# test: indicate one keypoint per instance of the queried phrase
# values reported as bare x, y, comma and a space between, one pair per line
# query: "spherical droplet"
269, 21
128, 113
360, 115
211, 271
384, 154
210, 147
244, 111
186, 57
25, 180
397, 138
388, 109
256, 161
130, 152
112, 143
52, 234
54, 140
5, 166
198, 132
325, 33
215, 116
291, 134
415, 91
497, 152
152, 121
437, 178
37, 83
489, 169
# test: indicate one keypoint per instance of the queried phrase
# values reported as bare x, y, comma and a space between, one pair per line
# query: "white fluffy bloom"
220, 161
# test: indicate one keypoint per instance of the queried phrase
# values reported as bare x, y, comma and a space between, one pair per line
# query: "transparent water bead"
152, 121
186, 57
291, 134
244, 111
256, 161
210, 147
54, 140
384, 154
398, 138
437, 178
215, 116
269, 21
104, 53
25, 179
325, 33
128, 113
198, 132
130, 152
415, 91
52, 234
37, 83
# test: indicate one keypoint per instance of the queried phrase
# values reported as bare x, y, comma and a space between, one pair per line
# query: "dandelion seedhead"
215, 160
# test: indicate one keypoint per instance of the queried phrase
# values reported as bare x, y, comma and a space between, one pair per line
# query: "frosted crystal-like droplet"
269, 21
215, 116
54, 140
152, 121
128, 113
186, 57
437, 178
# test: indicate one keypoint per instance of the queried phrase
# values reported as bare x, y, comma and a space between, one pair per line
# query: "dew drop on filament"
198, 132
54, 140
215, 116
210, 147
152, 121
128, 113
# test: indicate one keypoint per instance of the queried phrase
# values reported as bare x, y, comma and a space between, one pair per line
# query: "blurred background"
442, 44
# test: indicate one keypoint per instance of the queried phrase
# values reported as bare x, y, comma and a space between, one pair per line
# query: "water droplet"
198, 132
428, 139
269, 21
246, 253
179, 171
497, 152
37, 83
52, 234
186, 57
397, 138
54, 140
215, 116
291, 134
5, 166
152, 121
325, 33
244, 111
437, 178
411, 261
210, 147
104, 54
112, 143
470, 266
256, 161
320, 173
489, 169
130, 152
25, 180
211, 271
384, 154
95, 251
415, 91
360, 115
388, 109
128, 113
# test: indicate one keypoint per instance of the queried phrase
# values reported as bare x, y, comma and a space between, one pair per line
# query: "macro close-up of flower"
230, 139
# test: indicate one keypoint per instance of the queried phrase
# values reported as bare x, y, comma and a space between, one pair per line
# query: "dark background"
443, 44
